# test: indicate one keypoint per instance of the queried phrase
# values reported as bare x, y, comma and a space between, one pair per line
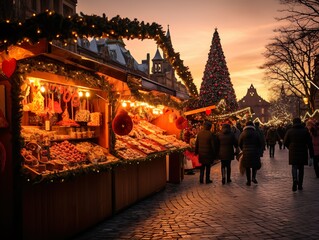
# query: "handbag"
239, 155
242, 170
310, 162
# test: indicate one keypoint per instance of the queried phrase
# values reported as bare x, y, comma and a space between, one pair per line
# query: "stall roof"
68, 57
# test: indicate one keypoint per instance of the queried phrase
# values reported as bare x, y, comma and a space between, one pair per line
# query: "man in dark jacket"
298, 141
205, 147
250, 143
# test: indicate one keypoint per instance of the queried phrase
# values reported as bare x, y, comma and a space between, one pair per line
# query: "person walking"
272, 137
250, 144
313, 128
205, 148
281, 132
262, 138
227, 142
298, 142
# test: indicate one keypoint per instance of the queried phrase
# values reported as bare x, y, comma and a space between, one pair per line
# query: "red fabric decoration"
208, 111
3, 121
122, 124
181, 123
9, 66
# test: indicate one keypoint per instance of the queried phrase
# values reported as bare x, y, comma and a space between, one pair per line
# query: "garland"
93, 168
53, 26
162, 99
40, 64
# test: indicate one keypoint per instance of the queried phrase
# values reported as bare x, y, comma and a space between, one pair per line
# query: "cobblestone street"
267, 210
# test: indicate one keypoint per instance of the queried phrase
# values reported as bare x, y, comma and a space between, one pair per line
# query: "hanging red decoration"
122, 124
9, 66
185, 124
181, 122
208, 112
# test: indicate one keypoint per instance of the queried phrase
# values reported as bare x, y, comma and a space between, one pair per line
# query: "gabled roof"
252, 97
157, 56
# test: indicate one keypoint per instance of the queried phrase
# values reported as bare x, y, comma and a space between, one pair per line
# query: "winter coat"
263, 141
236, 131
250, 143
298, 140
226, 143
314, 132
315, 143
272, 136
205, 146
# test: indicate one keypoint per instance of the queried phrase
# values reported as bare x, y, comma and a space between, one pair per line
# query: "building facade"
258, 105
23, 9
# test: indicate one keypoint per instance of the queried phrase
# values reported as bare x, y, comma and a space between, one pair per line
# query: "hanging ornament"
172, 117
122, 124
9, 66
180, 122
208, 112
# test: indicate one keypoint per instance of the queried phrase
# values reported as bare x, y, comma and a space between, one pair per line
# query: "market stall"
72, 150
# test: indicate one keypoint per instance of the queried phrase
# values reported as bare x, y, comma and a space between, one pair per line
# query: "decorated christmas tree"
216, 84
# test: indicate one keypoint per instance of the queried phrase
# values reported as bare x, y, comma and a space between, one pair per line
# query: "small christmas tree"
216, 84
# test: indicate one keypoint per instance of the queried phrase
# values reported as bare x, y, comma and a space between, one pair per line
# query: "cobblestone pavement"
267, 210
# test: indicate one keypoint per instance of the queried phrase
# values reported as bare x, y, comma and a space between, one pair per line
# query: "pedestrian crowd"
248, 144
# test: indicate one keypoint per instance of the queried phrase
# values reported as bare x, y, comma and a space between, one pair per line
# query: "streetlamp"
305, 101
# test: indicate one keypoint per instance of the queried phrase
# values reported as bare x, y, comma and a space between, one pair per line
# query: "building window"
45, 5
67, 11
34, 5
56, 6
113, 54
158, 67
85, 43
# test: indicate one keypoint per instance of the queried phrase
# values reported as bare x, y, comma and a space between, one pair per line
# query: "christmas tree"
216, 84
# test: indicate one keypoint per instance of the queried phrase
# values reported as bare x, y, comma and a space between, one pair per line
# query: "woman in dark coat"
298, 141
227, 142
205, 147
250, 143
272, 138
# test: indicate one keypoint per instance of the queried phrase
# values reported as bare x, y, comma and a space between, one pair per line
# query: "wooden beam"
199, 110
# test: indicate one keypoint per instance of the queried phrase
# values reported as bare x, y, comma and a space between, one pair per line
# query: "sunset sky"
244, 27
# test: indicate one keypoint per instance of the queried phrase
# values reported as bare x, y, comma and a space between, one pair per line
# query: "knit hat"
207, 125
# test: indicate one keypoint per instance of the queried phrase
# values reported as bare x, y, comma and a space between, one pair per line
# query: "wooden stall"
56, 196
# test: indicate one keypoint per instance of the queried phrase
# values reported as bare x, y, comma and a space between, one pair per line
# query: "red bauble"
9, 66
122, 124
208, 111
180, 122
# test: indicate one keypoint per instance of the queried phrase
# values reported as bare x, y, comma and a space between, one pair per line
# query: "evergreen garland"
53, 26
162, 99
